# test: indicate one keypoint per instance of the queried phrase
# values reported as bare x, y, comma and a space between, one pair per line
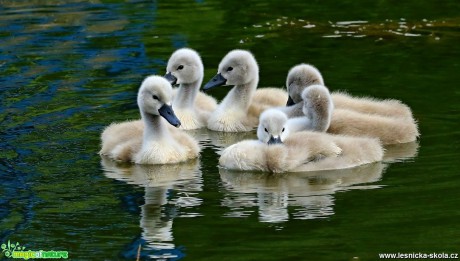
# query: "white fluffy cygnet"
150, 141
276, 150
191, 106
240, 109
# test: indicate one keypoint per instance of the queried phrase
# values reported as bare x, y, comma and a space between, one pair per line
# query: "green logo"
10, 248
15, 250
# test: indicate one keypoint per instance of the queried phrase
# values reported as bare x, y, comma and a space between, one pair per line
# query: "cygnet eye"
180, 67
266, 130
155, 97
229, 69
282, 130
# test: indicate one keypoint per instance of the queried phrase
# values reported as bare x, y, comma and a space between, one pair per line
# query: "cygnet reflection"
201, 135
307, 195
170, 191
400, 152
221, 140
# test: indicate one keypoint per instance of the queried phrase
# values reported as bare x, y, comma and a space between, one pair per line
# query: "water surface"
68, 69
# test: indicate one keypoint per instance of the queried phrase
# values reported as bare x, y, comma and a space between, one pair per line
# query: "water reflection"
307, 195
401, 152
170, 191
200, 135
221, 140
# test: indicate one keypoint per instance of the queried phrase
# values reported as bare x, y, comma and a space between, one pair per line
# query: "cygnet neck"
297, 124
186, 94
241, 95
154, 127
295, 110
319, 119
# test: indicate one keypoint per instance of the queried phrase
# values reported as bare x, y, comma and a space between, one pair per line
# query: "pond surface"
70, 68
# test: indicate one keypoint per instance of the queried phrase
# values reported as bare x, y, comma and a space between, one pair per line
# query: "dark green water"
69, 69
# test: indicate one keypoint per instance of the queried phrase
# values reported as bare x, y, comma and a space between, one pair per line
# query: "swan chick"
321, 116
239, 111
158, 144
300, 77
389, 120
303, 75
238, 68
277, 150
317, 108
192, 107
273, 127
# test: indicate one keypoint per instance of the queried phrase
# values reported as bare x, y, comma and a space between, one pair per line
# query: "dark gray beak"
290, 102
171, 79
217, 80
167, 112
273, 140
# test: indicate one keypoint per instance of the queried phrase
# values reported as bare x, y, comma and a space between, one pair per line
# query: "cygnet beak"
290, 101
171, 79
167, 112
274, 140
217, 80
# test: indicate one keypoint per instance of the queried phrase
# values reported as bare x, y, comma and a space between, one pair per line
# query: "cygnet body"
385, 120
276, 150
151, 142
241, 107
303, 75
317, 110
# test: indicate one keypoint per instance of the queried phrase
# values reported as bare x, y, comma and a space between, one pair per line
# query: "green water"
69, 68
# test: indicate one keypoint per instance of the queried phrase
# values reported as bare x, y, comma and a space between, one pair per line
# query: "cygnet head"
272, 127
300, 77
154, 98
184, 66
238, 67
318, 106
